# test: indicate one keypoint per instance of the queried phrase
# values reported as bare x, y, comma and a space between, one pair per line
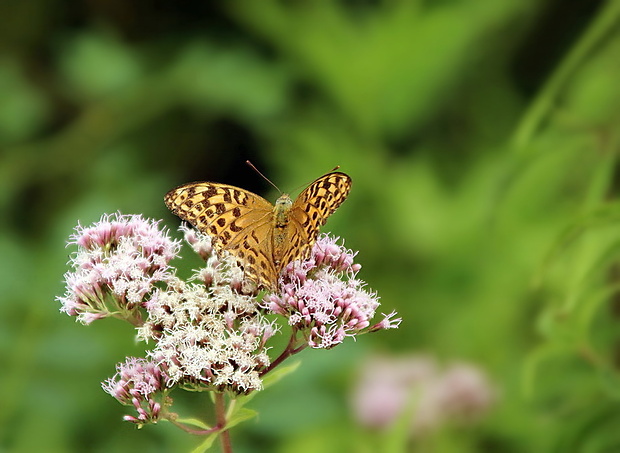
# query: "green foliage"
482, 138
24, 109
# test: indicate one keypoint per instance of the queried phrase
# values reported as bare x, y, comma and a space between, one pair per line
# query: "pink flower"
200, 242
390, 388
139, 383
323, 298
119, 259
386, 385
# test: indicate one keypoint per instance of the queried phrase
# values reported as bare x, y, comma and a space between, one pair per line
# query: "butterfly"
263, 237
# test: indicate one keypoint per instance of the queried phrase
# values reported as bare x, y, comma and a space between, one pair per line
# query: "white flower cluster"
208, 336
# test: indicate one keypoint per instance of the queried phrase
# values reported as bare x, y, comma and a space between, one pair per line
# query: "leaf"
268, 381
278, 374
535, 359
608, 215
206, 444
194, 422
236, 411
240, 415
593, 305
610, 382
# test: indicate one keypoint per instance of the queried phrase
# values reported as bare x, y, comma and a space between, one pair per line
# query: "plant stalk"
220, 414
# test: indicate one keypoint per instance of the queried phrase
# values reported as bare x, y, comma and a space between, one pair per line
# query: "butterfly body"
281, 212
263, 237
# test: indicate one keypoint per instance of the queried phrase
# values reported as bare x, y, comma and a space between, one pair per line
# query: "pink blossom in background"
390, 388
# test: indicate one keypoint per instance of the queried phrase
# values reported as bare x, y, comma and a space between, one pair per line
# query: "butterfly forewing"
220, 210
312, 208
244, 224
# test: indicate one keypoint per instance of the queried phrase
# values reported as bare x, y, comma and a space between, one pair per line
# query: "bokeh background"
482, 138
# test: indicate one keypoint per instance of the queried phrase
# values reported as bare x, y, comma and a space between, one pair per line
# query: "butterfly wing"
238, 221
310, 211
242, 223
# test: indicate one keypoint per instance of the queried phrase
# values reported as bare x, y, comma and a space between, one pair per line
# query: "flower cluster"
209, 332
390, 387
139, 383
119, 260
323, 298
208, 337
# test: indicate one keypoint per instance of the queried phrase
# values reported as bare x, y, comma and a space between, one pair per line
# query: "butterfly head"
284, 201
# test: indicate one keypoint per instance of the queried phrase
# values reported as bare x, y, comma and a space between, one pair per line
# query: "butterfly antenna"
264, 177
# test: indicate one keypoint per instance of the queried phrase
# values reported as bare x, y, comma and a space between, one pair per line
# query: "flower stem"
196, 432
288, 351
133, 319
220, 416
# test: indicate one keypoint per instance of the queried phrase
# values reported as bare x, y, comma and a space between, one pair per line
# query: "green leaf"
268, 381
275, 376
607, 215
610, 382
240, 415
592, 305
206, 444
535, 359
194, 422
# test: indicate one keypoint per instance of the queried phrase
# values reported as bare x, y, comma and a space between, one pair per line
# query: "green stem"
288, 351
196, 432
604, 23
220, 415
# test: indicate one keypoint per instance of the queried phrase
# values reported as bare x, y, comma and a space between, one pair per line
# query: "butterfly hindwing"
253, 249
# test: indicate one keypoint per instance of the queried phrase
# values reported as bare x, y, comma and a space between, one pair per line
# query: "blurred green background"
482, 138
